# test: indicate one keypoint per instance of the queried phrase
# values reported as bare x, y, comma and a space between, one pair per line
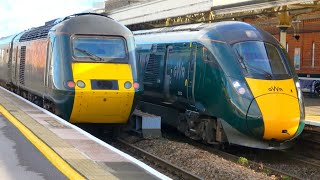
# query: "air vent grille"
152, 69
22, 64
36, 33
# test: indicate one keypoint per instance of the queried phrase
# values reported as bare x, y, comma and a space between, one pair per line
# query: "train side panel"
6, 67
4, 60
31, 66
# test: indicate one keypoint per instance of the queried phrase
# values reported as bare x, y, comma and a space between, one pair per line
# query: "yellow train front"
81, 67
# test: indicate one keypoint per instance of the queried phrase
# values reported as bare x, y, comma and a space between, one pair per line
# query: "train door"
7, 58
48, 70
177, 64
167, 77
14, 65
191, 74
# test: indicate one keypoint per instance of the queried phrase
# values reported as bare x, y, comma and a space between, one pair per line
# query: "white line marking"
311, 122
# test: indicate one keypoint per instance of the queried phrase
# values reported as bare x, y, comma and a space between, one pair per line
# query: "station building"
303, 21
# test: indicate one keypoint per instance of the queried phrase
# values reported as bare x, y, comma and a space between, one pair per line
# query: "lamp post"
284, 24
296, 28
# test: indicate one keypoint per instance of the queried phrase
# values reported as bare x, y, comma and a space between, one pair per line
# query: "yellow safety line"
52, 156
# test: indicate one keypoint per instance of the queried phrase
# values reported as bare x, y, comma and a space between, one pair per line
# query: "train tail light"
136, 85
71, 84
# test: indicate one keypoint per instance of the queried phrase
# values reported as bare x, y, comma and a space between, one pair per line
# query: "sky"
20, 15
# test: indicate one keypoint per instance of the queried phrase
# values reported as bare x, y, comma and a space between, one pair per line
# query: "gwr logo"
275, 89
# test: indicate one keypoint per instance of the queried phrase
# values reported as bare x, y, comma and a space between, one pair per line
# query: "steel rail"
159, 162
303, 159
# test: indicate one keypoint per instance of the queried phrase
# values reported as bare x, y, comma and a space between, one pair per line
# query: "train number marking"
179, 71
275, 89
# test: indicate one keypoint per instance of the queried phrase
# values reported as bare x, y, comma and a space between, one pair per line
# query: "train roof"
225, 32
95, 23
43, 31
7, 39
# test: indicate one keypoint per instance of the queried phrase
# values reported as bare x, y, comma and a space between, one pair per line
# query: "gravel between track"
199, 162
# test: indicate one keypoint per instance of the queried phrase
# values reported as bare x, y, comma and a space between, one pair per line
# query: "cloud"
19, 15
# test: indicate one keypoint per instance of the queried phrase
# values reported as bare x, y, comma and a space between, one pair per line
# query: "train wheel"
209, 131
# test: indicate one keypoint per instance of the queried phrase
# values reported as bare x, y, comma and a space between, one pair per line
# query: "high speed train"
225, 82
81, 67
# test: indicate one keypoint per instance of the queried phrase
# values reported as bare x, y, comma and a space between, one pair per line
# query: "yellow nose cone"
281, 116
279, 105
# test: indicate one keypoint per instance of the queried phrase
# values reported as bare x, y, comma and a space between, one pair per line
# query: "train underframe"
201, 128
209, 130
36, 99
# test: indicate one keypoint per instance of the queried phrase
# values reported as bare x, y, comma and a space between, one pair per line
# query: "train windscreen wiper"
247, 66
91, 55
259, 70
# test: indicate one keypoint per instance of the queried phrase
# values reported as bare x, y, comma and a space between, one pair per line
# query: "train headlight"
236, 84
240, 88
239, 95
127, 85
241, 91
81, 84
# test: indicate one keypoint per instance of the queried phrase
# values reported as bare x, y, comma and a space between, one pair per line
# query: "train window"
261, 60
104, 49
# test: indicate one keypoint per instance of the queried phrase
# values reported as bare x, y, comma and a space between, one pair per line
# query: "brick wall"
309, 31
305, 44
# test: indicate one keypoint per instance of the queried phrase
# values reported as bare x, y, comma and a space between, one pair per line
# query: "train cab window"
207, 55
261, 60
102, 49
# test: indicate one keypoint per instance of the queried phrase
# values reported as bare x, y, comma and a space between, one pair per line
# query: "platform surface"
86, 155
19, 159
312, 106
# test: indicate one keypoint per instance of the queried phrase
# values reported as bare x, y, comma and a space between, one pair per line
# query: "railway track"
309, 145
312, 137
294, 161
303, 159
292, 165
167, 166
182, 174
257, 166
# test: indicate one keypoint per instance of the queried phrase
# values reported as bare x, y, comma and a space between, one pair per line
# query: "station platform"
35, 144
312, 106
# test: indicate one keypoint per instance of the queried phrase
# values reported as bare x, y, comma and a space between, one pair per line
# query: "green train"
81, 67
225, 82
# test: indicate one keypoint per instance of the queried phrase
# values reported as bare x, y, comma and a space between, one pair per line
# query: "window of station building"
313, 54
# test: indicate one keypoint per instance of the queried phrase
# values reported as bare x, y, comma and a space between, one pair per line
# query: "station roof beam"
162, 13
